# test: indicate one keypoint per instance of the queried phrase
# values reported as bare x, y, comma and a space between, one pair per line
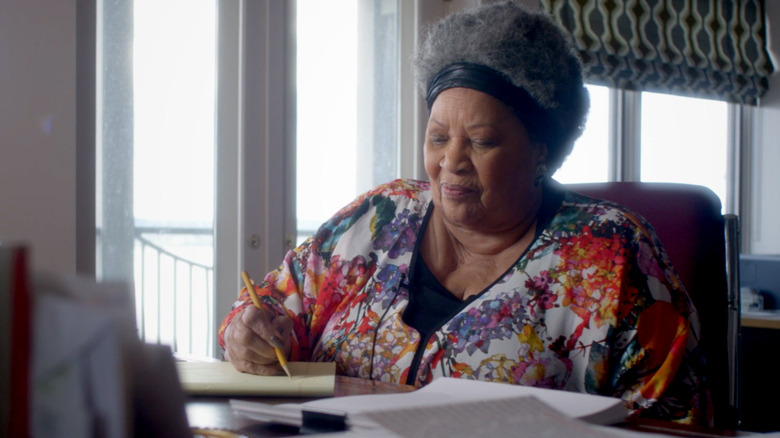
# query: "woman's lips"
456, 191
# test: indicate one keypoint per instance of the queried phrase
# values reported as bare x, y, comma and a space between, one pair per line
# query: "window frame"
256, 137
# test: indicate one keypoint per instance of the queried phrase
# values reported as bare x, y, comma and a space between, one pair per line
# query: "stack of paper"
91, 375
457, 407
78, 374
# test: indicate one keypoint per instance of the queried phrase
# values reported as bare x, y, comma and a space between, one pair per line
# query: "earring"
541, 173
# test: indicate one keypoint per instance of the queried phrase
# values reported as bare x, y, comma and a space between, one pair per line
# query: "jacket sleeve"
660, 371
286, 290
306, 284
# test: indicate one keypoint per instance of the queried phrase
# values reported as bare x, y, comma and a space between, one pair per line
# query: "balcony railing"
174, 291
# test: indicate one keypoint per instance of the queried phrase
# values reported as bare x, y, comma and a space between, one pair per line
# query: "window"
326, 128
156, 153
194, 115
589, 160
173, 170
655, 138
347, 104
157, 168
685, 140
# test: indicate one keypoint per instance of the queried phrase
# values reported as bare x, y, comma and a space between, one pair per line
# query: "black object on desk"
322, 421
760, 383
760, 342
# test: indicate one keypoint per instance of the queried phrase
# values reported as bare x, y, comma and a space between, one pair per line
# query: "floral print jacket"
592, 306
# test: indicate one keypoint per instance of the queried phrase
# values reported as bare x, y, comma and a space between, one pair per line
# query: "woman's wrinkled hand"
250, 339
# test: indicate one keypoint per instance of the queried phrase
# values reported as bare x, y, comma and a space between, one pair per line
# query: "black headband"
487, 80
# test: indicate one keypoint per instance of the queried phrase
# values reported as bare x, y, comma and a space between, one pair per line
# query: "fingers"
273, 330
250, 340
246, 366
284, 327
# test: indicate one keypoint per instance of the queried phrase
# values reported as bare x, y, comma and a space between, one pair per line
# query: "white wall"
38, 129
764, 180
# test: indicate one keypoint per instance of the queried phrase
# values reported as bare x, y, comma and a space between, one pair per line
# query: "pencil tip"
287, 371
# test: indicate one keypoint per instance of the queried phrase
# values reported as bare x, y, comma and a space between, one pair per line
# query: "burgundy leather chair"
703, 247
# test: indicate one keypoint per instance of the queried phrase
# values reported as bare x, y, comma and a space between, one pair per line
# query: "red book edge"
20, 346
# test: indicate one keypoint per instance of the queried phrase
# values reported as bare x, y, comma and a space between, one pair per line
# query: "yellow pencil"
250, 288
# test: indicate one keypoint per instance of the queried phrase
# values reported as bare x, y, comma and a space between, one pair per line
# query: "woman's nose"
456, 158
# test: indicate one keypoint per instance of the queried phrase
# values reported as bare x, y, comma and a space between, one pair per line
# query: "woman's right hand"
250, 339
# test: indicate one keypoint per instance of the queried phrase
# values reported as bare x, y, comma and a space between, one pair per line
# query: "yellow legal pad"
309, 379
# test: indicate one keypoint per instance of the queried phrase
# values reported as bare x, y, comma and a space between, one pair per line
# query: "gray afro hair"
530, 50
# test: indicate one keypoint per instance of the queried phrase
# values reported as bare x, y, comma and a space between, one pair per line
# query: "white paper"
592, 408
522, 416
290, 414
452, 402
78, 377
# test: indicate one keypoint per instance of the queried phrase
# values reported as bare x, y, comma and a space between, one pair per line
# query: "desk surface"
769, 319
214, 413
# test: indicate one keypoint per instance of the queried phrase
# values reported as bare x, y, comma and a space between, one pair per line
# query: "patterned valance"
705, 48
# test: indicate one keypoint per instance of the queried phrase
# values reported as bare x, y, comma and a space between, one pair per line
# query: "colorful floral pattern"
593, 306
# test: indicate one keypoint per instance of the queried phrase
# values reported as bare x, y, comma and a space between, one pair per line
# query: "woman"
491, 270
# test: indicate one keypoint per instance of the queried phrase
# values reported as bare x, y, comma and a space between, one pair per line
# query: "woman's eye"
437, 139
482, 143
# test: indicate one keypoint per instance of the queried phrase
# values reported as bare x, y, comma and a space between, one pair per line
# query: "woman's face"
480, 161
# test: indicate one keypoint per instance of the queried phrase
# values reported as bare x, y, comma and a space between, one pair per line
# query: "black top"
430, 303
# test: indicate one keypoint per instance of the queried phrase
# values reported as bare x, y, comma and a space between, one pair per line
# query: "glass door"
155, 166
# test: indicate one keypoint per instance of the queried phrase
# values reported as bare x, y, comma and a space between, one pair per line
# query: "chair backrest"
688, 220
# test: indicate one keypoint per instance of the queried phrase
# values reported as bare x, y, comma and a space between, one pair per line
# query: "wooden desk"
679, 430
765, 319
215, 412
